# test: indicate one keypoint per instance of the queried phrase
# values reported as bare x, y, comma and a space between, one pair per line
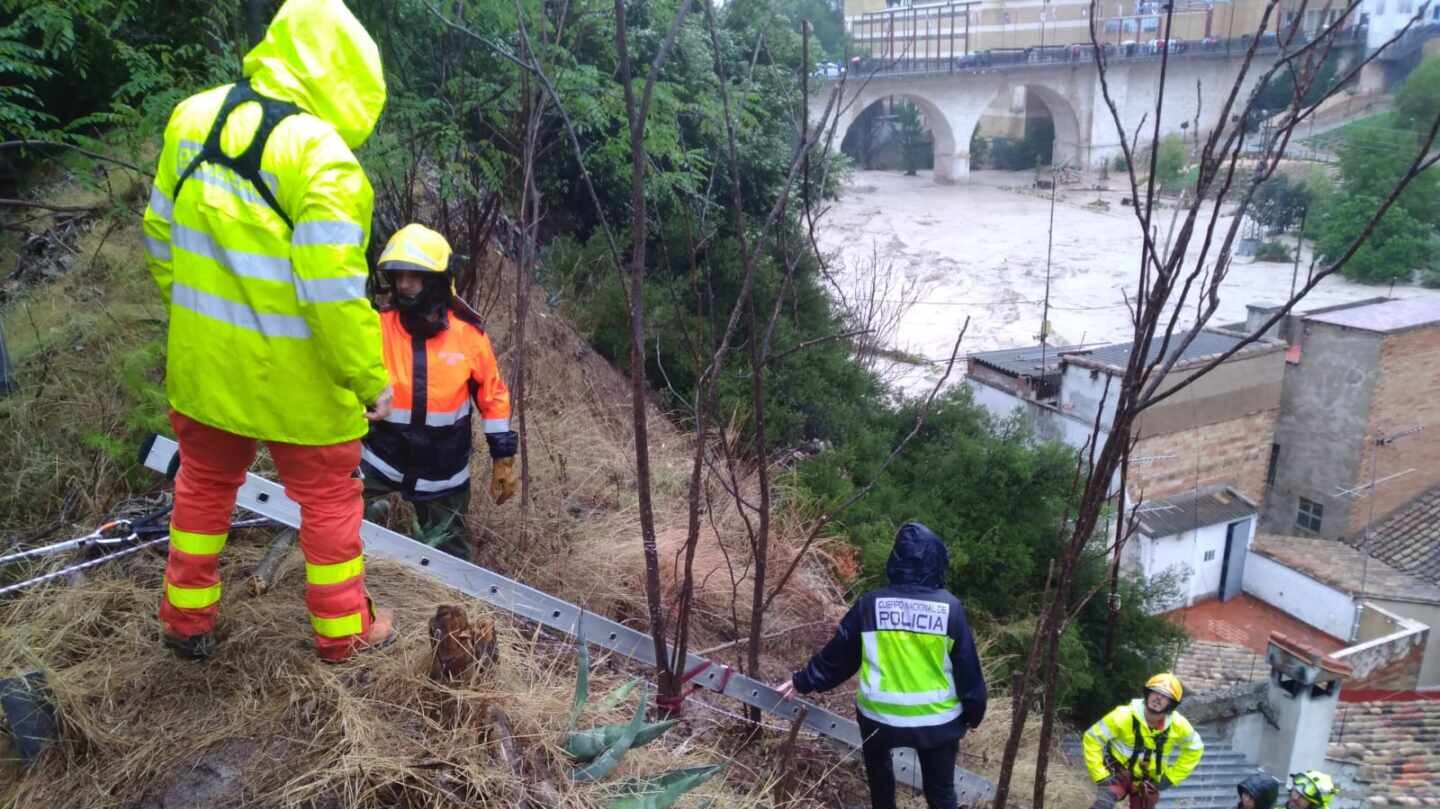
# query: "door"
1232, 570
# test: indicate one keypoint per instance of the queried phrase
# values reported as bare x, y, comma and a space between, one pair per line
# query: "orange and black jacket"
423, 448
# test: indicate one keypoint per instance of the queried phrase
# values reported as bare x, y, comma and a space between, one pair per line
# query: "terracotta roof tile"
1207, 666
1396, 746
1410, 539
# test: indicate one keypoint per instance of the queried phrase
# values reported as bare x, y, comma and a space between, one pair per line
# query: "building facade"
1359, 428
895, 28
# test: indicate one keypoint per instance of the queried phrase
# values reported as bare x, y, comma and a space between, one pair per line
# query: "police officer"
920, 680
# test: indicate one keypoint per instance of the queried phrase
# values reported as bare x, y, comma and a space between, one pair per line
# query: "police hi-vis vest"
906, 676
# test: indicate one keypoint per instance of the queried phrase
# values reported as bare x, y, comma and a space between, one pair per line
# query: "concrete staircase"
1211, 786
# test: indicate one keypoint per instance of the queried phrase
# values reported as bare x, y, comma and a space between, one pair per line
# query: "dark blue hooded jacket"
1265, 789
916, 569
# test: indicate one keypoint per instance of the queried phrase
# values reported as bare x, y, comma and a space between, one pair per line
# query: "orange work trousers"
322, 479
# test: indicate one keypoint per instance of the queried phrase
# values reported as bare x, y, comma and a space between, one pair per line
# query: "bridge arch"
942, 129
1070, 144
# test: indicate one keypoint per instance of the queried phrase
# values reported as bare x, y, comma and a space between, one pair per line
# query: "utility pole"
1299, 242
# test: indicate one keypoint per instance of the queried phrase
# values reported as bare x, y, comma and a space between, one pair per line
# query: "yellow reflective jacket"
1123, 737
271, 335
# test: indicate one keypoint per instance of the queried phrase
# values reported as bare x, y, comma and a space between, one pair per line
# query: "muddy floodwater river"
979, 250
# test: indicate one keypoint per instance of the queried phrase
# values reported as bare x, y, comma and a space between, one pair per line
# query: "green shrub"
997, 497
1010, 154
1272, 251
1170, 163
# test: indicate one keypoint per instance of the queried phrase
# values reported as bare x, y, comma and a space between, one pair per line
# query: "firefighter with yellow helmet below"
1143, 747
441, 362
255, 233
1311, 789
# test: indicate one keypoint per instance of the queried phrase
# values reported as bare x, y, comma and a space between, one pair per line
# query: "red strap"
676, 705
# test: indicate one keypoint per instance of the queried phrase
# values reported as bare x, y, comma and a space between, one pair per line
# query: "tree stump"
459, 649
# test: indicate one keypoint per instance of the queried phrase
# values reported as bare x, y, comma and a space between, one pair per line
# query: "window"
1309, 515
1210, 555
1380, 9
1274, 462
1407, 6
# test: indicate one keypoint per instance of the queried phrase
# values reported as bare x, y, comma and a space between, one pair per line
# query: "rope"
64, 571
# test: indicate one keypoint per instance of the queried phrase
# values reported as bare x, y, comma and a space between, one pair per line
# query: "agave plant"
597, 751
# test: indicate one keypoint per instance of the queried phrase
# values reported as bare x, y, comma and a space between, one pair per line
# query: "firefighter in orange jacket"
440, 361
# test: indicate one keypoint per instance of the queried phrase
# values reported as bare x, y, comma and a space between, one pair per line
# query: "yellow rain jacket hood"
271, 335
317, 56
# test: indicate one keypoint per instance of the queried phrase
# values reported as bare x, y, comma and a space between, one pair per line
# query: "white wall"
1000, 403
1429, 615
1296, 594
1185, 554
1080, 395
1050, 424
1385, 17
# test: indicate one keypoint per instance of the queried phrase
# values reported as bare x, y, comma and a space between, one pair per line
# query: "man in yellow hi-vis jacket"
1143, 747
256, 233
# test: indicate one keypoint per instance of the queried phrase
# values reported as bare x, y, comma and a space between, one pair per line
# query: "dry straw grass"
263, 723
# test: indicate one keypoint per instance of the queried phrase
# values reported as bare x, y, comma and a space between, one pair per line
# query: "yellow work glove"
503, 480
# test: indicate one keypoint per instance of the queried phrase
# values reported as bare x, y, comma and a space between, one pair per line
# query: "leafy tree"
1279, 92
910, 134
825, 16
76, 68
1278, 202
1417, 102
1405, 239
1399, 245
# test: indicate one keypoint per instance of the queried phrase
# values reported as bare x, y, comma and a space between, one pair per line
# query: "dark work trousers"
937, 769
441, 520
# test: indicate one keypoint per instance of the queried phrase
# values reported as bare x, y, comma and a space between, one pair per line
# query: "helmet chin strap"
424, 315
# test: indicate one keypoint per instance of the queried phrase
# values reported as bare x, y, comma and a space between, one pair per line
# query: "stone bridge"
954, 98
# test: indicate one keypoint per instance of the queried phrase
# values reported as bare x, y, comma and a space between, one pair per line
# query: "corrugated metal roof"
1211, 505
1025, 361
1206, 343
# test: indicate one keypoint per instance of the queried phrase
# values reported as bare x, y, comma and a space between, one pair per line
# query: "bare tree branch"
49, 144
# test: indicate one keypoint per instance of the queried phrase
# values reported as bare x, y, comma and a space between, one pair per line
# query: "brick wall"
1234, 452
1407, 394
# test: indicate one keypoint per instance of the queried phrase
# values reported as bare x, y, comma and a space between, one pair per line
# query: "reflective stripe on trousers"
319, 478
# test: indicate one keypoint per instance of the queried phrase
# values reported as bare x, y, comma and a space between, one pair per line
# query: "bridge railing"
1071, 54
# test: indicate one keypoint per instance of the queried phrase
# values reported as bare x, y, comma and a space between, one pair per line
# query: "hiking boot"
382, 633
194, 647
